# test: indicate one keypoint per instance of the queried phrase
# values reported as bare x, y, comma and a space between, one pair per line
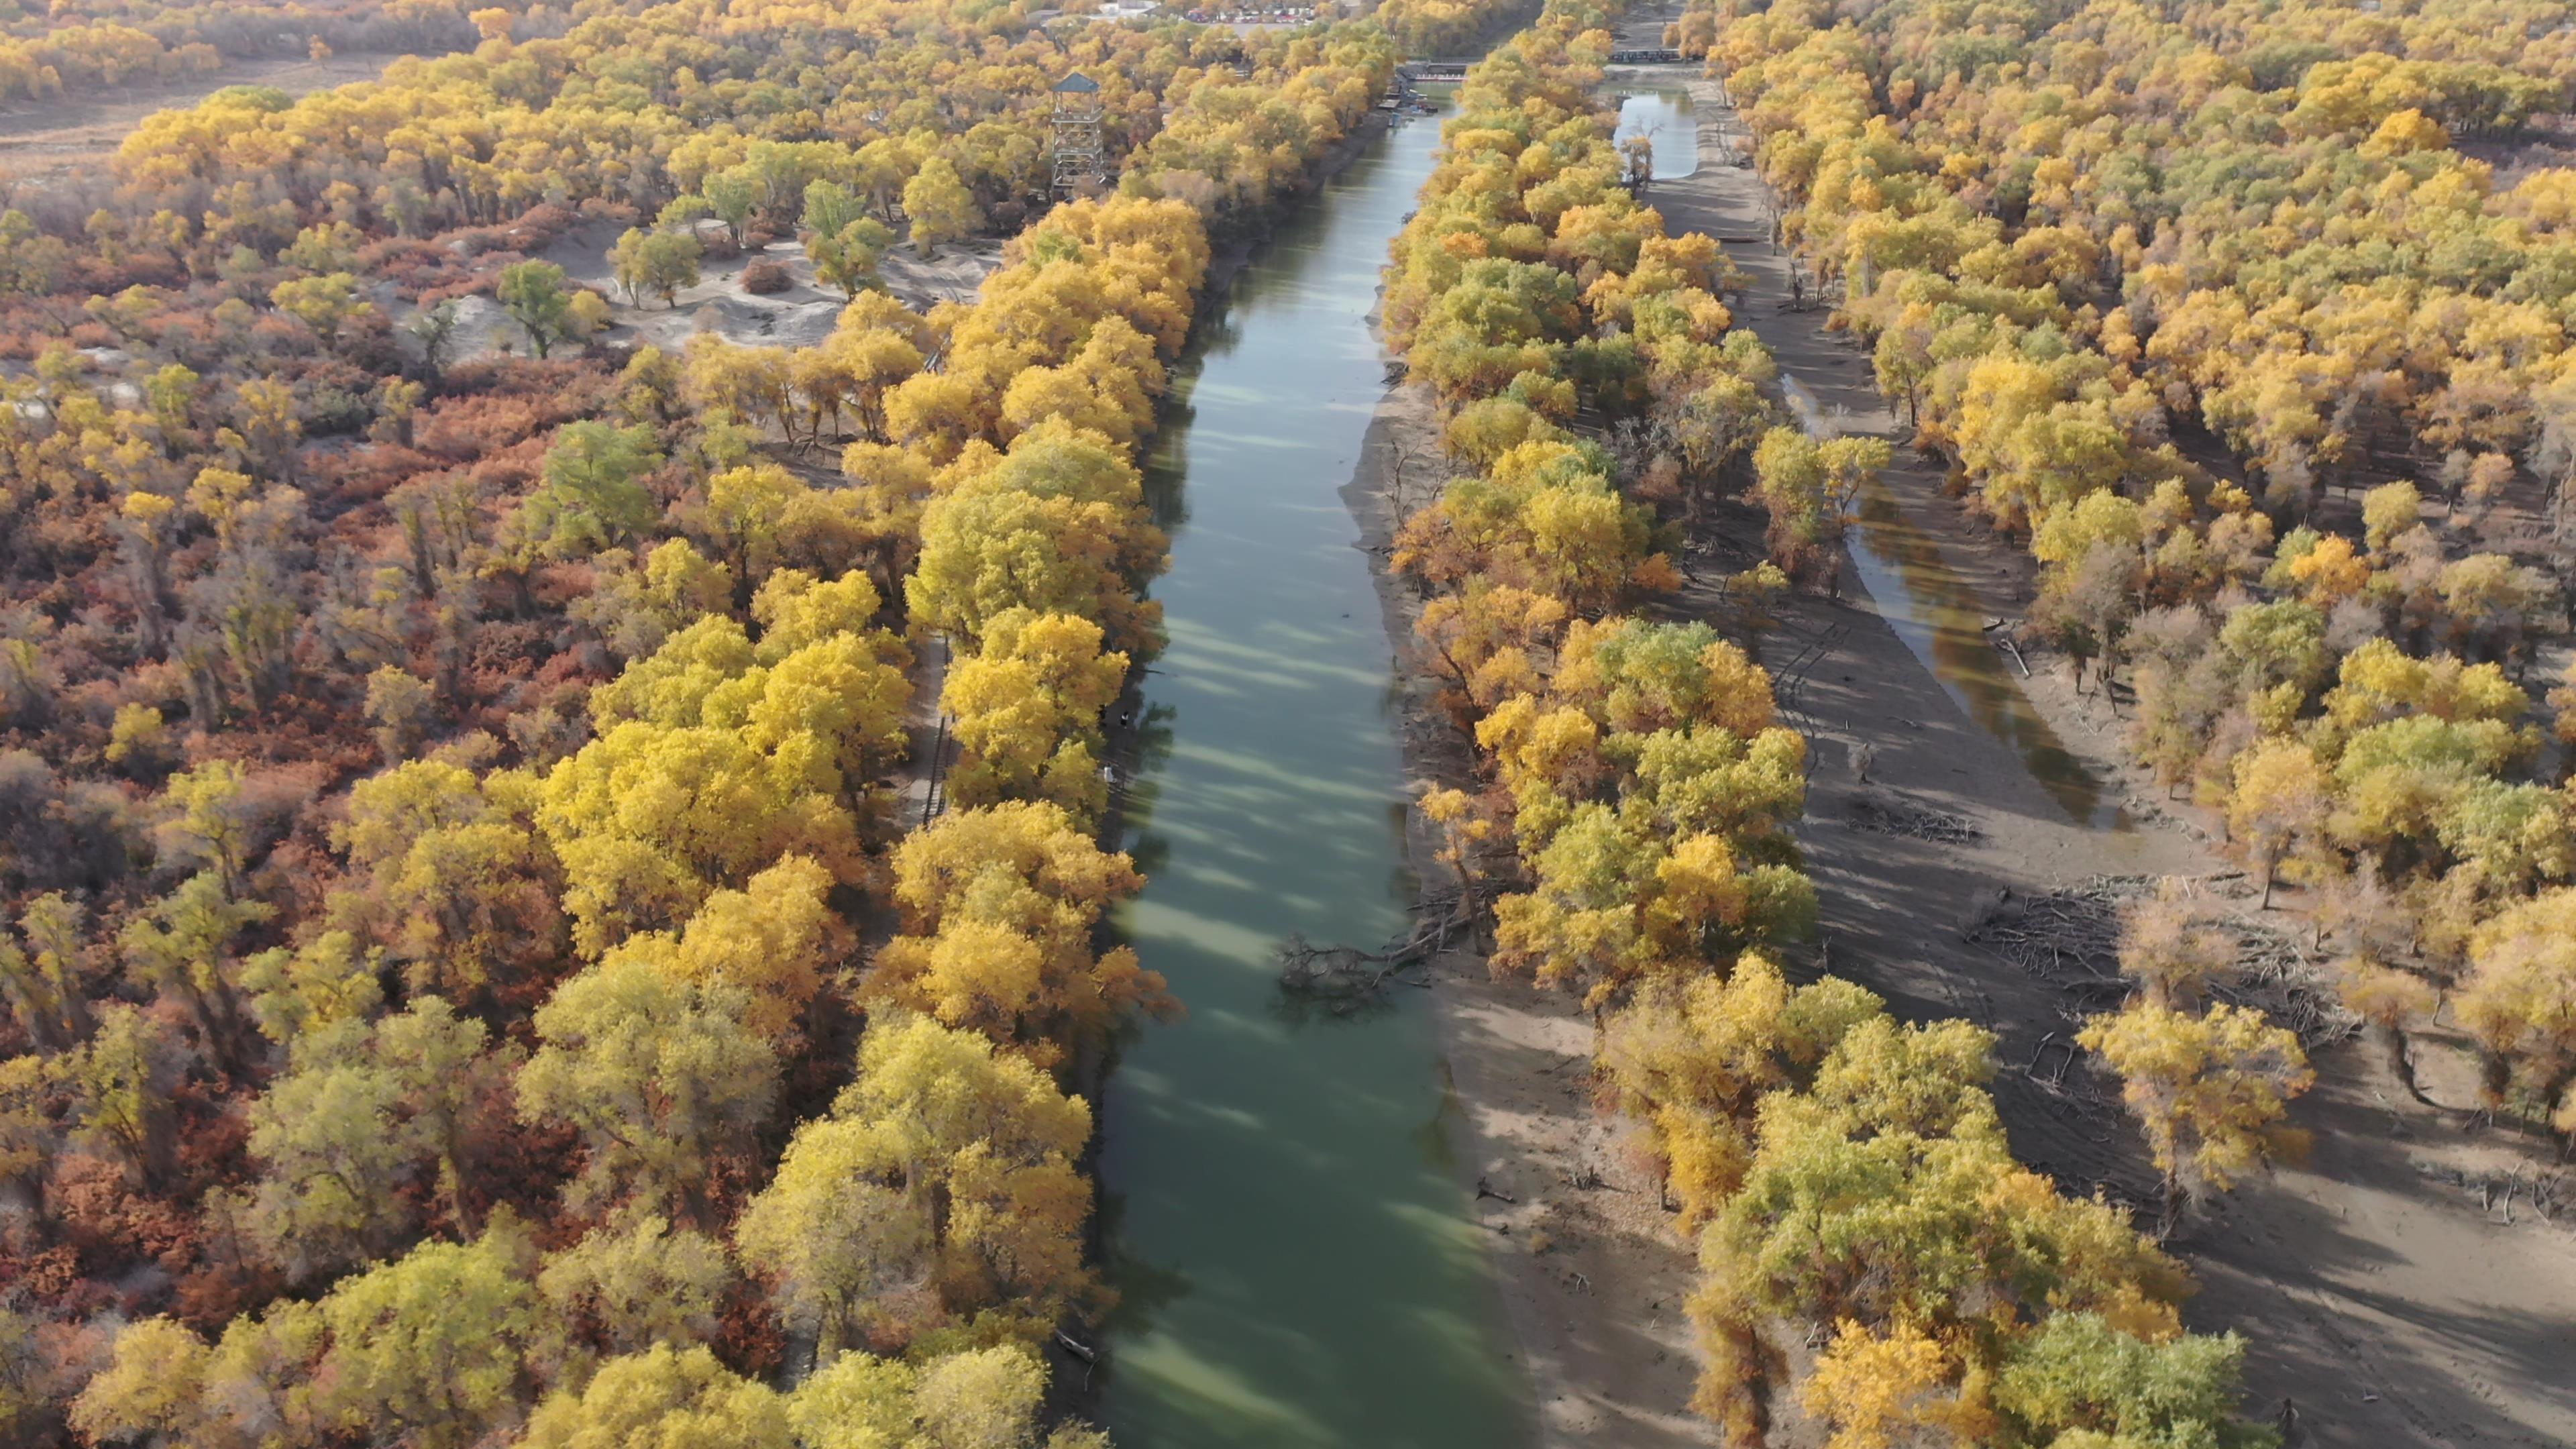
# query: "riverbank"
1593, 1276
2382, 1293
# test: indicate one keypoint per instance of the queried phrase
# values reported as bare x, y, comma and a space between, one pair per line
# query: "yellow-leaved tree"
1028, 709
1000, 906
2209, 1090
2520, 1001
941, 1187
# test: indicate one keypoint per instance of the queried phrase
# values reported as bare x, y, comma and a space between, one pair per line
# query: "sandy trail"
2379, 1297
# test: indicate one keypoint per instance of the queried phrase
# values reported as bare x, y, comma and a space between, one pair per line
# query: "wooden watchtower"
1077, 135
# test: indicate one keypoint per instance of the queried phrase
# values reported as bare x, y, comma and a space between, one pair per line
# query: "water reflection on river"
1942, 620
1663, 117
1295, 1257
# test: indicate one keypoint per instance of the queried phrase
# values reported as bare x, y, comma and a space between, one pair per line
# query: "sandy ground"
2381, 1297
41, 143
801, 315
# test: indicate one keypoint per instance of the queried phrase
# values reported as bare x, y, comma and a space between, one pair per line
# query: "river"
1284, 1224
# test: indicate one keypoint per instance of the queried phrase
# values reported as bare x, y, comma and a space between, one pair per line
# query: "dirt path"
2377, 1294
917, 782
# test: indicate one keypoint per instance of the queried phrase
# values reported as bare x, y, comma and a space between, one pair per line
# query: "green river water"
1293, 1250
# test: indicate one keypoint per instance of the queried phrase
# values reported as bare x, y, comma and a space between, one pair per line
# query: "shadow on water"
1297, 1270
1942, 620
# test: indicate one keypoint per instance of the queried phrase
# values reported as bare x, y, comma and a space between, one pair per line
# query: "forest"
2250, 325
2274, 388
467, 973
1838, 1167
480, 964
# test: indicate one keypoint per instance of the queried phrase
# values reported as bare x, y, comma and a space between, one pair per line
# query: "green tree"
731, 196
940, 206
432, 1348
536, 296
638, 1281
2389, 510
42, 979
120, 1080
154, 1385
183, 945
1810, 487
325, 303
1886, 1194
208, 823
447, 1077
1695, 1058
333, 1156
34, 260
655, 261
594, 495
345, 1127
2079, 1380
844, 241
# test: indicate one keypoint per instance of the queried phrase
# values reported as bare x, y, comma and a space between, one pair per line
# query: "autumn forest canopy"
466, 970
2250, 325
480, 960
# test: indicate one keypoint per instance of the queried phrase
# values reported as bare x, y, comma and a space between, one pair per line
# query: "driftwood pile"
1344, 977
2276, 977
2071, 937
1895, 815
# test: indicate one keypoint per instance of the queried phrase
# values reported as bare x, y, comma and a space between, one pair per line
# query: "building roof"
1077, 81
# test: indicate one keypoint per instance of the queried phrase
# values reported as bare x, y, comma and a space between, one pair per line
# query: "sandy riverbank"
1593, 1276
